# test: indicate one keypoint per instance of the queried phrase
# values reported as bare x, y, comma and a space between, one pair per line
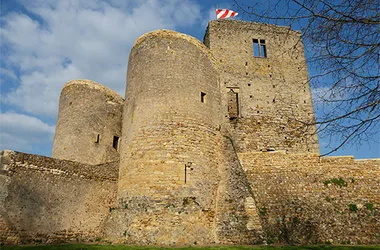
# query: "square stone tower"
266, 97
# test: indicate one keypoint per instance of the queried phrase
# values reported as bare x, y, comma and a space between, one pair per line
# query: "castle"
214, 143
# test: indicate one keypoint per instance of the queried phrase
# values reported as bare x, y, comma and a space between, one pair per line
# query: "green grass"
123, 247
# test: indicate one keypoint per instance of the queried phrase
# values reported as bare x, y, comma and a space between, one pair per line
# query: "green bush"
369, 206
338, 182
353, 207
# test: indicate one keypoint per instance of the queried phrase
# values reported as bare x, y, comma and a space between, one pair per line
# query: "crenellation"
215, 143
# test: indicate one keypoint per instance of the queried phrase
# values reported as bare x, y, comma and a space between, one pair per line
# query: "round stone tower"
89, 123
169, 153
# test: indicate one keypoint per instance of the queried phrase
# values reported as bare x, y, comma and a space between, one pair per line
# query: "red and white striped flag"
224, 13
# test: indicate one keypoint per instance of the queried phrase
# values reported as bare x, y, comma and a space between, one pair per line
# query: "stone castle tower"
264, 84
248, 82
89, 123
247, 77
214, 143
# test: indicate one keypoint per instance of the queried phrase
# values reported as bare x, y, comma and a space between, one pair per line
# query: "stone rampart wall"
306, 199
45, 200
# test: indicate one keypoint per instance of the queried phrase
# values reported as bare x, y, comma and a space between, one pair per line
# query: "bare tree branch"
342, 39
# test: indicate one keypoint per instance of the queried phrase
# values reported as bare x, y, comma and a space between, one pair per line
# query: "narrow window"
233, 104
259, 48
187, 166
115, 143
97, 139
256, 49
203, 97
263, 48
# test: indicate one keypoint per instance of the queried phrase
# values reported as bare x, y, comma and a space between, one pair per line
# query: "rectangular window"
203, 97
97, 139
256, 48
259, 48
233, 104
115, 143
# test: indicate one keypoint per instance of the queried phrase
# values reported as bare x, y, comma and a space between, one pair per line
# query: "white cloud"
328, 100
7, 73
319, 94
22, 132
72, 39
79, 39
39, 91
211, 15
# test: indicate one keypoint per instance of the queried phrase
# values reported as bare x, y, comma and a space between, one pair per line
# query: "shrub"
338, 182
369, 206
353, 207
263, 211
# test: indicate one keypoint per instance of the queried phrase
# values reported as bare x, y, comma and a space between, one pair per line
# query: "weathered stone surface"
274, 97
171, 143
45, 200
89, 117
305, 199
191, 172
237, 220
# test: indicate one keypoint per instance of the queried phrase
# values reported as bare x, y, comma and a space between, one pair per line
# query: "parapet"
237, 25
92, 85
170, 34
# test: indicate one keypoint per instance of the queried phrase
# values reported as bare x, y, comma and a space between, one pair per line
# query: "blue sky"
45, 43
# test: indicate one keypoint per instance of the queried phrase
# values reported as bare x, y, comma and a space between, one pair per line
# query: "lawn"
124, 247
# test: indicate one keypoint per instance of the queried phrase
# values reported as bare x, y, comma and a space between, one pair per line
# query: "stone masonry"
213, 144
271, 89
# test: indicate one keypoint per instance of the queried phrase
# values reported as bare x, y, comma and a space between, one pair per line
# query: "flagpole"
215, 8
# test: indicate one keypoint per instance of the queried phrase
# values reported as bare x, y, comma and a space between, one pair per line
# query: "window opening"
187, 166
97, 139
233, 104
203, 97
115, 143
259, 48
